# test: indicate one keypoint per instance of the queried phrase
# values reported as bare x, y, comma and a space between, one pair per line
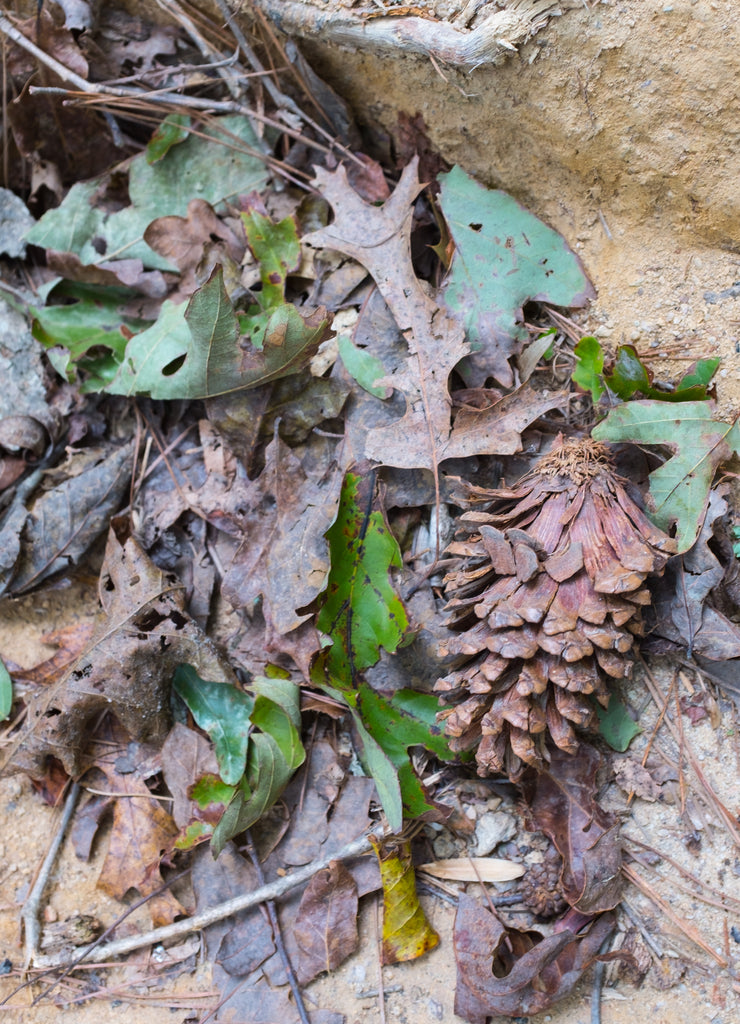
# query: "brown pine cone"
540, 889
546, 599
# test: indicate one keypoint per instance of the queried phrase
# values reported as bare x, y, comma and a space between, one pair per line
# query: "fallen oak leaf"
61, 524
283, 517
503, 970
679, 489
70, 641
682, 612
379, 239
504, 256
142, 832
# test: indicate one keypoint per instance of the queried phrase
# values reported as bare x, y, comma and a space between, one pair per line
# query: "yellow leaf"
406, 932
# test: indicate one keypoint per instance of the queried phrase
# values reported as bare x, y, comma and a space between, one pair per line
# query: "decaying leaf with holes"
546, 599
142, 634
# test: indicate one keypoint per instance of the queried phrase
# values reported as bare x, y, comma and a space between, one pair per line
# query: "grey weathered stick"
272, 891
30, 915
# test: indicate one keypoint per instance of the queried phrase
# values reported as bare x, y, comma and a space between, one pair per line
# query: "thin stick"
598, 984
688, 930
123, 92
379, 950
206, 50
30, 914
277, 935
59, 69
727, 818
272, 891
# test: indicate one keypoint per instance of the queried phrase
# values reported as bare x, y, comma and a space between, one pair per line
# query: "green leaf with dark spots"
405, 719
361, 612
504, 256
277, 249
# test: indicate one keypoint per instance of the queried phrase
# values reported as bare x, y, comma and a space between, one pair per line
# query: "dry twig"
271, 891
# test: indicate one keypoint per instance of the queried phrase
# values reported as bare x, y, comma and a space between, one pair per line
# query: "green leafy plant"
631, 376
194, 349
89, 332
360, 615
257, 744
589, 366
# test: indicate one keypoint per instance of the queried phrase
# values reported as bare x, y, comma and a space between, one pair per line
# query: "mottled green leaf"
223, 712
219, 163
679, 489
210, 789
504, 256
361, 611
277, 250
194, 350
93, 321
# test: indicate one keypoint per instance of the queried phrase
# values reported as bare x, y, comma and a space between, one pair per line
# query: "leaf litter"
284, 511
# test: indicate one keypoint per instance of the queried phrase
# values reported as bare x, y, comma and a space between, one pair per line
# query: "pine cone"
540, 889
546, 598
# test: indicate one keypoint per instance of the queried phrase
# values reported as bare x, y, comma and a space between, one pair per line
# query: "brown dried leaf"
379, 239
682, 612
284, 556
634, 778
184, 241
326, 926
562, 804
70, 641
45, 128
63, 522
186, 756
142, 832
505, 971
141, 635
